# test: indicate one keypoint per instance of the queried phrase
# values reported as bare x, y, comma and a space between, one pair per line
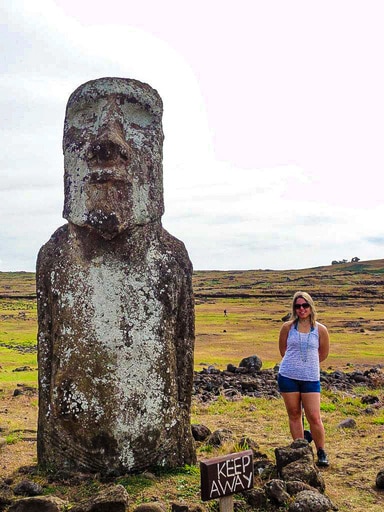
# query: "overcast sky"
273, 121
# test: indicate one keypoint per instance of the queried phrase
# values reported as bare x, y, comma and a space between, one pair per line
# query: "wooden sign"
230, 474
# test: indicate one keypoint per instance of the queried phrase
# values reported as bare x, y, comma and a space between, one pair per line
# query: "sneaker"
322, 459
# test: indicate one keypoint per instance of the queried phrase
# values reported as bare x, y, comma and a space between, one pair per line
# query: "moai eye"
136, 115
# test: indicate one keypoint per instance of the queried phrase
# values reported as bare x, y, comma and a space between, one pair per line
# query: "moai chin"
115, 301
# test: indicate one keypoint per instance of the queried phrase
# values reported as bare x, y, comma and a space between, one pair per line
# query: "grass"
351, 304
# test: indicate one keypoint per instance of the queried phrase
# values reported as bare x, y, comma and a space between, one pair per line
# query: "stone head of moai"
114, 296
112, 145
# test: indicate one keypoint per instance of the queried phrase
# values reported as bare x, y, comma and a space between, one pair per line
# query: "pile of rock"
248, 379
27, 497
293, 483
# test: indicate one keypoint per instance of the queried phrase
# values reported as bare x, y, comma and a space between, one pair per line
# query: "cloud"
376, 240
273, 152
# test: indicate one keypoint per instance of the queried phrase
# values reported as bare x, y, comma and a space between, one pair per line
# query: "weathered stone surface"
247, 443
184, 507
27, 488
251, 363
6, 495
348, 423
220, 436
200, 432
179, 507
112, 499
295, 486
154, 506
39, 504
298, 450
304, 471
115, 302
380, 479
276, 491
211, 383
311, 501
257, 498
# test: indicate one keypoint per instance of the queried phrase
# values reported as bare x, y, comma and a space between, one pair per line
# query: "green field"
349, 297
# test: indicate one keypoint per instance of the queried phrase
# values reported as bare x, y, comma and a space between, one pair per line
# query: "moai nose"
108, 149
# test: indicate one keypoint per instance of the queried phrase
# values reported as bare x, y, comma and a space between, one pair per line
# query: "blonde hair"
308, 298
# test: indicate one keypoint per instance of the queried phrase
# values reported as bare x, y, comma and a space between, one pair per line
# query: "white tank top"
301, 359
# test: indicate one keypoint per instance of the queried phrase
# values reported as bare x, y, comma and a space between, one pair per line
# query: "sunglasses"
304, 305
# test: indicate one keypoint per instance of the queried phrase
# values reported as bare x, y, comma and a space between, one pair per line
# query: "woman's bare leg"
311, 403
293, 405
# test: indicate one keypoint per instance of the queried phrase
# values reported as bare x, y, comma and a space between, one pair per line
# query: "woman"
303, 344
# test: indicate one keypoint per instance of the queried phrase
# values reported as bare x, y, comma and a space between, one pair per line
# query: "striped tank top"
301, 359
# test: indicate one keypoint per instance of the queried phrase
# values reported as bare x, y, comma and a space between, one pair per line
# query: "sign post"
221, 477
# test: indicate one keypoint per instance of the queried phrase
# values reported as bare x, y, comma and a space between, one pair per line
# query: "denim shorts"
287, 385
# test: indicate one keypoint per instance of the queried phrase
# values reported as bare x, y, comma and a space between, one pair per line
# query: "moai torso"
115, 303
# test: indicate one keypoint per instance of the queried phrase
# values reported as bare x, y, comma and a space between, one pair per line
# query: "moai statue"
115, 302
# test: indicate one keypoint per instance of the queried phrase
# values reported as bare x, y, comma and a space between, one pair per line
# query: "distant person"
303, 344
225, 312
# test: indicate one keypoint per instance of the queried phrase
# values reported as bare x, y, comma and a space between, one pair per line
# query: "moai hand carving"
115, 301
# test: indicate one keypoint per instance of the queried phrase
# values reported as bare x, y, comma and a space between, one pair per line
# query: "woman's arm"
283, 338
323, 343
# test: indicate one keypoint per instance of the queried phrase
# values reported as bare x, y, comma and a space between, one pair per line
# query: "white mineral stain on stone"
126, 317
76, 199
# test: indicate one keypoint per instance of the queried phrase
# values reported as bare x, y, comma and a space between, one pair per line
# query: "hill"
342, 282
346, 281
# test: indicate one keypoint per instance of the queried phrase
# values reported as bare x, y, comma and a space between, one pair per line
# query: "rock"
112, 499
264, 468
305, 472
380, 479
209, 385
257, 498
39, 504
277, 492
3, 442
179, 507
370, 399
200, 432
219, 437
114, 294
252, 363
27, 488
349, 423
184, 507
151, 507
296, 486
6, 495
246, 443
311, 501
299, 449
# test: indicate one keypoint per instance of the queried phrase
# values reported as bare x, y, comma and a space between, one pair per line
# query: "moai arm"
44, 332
185, 323
186, 341
45, 324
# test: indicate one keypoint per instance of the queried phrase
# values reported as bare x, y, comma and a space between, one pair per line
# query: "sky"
273, 122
